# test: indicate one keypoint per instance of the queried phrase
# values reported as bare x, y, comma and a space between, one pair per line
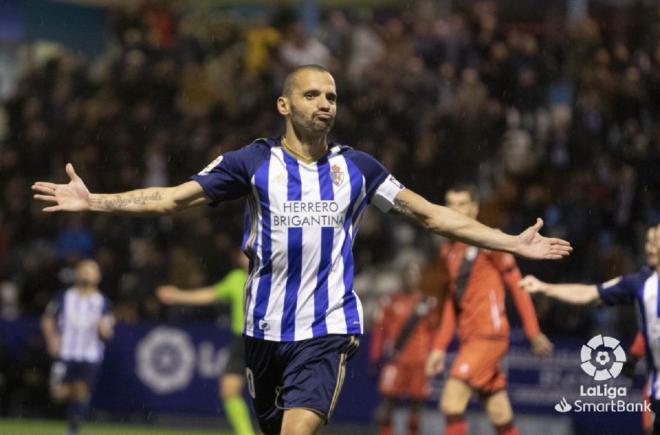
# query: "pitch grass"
51, 427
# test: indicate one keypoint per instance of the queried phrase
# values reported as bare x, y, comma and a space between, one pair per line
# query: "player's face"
652, 246
88, 274
312, 103
462, 202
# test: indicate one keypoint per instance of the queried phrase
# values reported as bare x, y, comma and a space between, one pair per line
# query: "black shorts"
66, 372
298, 374
236, 359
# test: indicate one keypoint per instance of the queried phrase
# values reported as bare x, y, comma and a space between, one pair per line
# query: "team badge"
337, 175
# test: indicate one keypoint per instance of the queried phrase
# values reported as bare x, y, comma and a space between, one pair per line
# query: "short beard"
309, 128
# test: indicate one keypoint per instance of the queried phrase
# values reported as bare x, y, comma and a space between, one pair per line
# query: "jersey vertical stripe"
78, 324
327, 235
335, 318
265, 275
294, 253
311, 253
353, 325
299, 231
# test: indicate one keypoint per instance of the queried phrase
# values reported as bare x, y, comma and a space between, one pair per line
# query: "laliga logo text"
602, 359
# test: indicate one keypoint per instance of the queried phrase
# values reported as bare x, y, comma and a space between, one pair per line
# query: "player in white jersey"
75, 325
642, 287
305, 198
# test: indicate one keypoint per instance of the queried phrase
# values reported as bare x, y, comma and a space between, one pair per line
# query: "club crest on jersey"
337, 175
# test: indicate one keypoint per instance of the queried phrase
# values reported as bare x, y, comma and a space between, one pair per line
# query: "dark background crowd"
550, 116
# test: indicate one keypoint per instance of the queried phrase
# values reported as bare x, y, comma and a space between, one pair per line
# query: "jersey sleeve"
229, 175
621, 290
381, 187
447, 329
106, 308
506, 265
55, 306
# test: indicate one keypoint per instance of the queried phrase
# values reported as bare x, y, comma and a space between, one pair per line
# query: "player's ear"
283, 105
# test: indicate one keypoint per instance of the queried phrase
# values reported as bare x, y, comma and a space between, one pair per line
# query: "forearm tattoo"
124, 201
402, 207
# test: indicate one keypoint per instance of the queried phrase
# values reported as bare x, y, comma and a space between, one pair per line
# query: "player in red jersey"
400, 341
476, 308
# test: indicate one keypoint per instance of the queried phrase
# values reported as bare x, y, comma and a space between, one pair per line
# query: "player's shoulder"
257, 149
264, 143
246, 158
639, 277
352, 153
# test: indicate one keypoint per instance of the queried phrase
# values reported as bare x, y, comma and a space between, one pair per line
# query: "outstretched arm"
449, 223
579, 294
51, 335
74, 196
170, 294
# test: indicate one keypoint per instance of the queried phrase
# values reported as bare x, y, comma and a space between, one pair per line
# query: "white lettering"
299, 214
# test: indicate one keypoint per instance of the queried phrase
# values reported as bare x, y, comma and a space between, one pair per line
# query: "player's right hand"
167, 294
435, 363
53, 344
532, 284
73, 196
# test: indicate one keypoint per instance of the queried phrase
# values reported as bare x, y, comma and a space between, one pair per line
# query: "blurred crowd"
555, 119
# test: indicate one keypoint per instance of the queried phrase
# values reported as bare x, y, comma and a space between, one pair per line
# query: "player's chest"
81, 313
309, 195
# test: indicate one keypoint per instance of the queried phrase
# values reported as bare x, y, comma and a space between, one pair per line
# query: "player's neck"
85, 290
306, 149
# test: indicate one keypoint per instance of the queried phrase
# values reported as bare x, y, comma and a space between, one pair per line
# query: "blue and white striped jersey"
300, 223
642, 287
77, 316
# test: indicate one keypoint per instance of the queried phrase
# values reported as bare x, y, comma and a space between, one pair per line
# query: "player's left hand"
533, 245
106, 327
541, 345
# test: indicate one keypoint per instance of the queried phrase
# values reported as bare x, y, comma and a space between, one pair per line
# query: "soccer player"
229, 289
478, 278
305, 198
400, 341
75, 325
641, 287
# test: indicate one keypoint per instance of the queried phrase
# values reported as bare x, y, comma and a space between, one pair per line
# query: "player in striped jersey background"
641, 288
75, 325
305, 195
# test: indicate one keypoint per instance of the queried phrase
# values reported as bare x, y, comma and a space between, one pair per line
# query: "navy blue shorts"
298, 374
236, 361
66, 372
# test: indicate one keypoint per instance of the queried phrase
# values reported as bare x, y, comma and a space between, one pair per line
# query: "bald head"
290, 80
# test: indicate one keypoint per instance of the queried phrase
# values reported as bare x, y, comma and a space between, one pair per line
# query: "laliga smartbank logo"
602, 359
